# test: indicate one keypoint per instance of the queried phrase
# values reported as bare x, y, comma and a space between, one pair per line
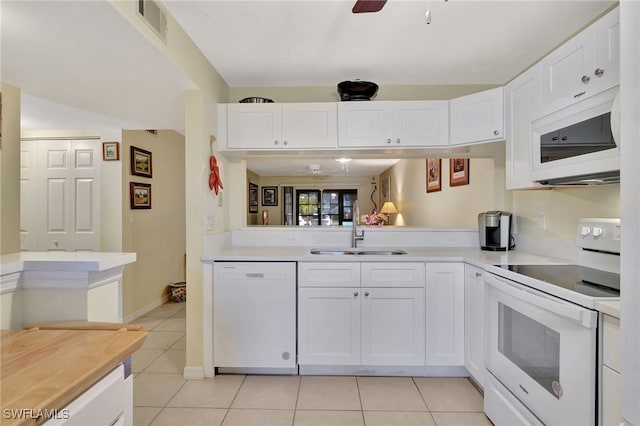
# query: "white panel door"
365, 124
478, 117
55, 160
257, 126
392, 327
85, 195
329, 326
606, 71
310, 125
474, 323
445, 313
60, 196
420, 123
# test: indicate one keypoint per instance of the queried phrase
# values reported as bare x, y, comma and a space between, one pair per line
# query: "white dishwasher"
254, 315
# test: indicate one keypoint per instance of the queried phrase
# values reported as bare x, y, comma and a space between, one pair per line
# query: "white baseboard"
193, 373
150, 307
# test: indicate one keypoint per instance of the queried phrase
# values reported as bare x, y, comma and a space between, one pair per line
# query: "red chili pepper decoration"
215, 183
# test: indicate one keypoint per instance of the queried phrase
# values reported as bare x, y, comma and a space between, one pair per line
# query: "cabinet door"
420, 123
445, 314
606, 71
392, 326
478, 117
474, 323
329, 326
522, 103
254, 126
309, 125
565, 72
365, 124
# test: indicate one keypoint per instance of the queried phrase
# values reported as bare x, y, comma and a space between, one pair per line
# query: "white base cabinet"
378, 322
445, 314
611, 390
474, 323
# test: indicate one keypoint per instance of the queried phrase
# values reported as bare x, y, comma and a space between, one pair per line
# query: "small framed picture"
253, 198
140, 194
458, 171
141, 162
434, 179
110, 151
269, 195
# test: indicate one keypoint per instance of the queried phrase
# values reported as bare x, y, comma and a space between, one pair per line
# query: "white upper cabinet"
478, 117
522, 104
281, 126
393, 124
585, 65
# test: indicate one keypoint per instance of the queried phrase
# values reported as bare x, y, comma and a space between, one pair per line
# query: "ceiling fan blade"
366, 6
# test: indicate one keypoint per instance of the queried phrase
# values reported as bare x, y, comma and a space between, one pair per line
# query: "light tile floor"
163, 397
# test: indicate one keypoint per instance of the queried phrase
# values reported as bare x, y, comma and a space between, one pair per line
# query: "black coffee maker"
494, 228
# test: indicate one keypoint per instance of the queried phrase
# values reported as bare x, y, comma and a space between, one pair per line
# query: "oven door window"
532, 346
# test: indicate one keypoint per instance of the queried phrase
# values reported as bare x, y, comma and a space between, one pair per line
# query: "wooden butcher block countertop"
48, 368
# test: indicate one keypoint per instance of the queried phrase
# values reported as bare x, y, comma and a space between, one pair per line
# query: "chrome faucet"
355, 236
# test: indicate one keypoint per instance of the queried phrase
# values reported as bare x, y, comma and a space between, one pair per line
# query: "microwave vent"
154, 16
593, 179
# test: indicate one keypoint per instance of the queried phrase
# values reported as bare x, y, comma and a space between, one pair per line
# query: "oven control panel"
599, 234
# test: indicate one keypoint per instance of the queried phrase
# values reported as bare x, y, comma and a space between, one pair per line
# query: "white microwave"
578, 145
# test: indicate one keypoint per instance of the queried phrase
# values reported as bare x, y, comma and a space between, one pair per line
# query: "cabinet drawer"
328, 274
611, 350
393, 274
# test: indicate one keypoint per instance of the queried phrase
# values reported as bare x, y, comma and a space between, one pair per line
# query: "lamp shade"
388, 208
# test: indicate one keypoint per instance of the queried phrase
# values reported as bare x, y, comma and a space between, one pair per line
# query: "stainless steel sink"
357, 252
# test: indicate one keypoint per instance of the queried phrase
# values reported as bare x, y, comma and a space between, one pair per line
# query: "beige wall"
156, 235
562, 207
10, 170
452, 207
330, 93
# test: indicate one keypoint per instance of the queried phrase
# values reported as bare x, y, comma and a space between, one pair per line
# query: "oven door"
543, 350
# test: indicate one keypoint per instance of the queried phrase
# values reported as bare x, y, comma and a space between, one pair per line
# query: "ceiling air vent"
153, 15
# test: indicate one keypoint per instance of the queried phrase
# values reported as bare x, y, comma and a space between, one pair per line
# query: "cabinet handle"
478, 274
398, 140
276, 142
579, 94
495, 132
366, 293
585, 79
599, 72
285, 143
355, 293
564, 138
555, 138
388, 140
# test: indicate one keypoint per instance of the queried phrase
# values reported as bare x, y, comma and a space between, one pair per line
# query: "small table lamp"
388, 208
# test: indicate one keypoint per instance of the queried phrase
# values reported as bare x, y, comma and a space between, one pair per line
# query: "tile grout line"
232, 399
413, 379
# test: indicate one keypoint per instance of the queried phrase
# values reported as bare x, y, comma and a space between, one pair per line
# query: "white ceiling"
79, 64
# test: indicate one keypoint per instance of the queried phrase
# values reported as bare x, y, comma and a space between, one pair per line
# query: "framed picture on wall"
110, 151
386, 189
458, 171
269, 195
434, 179
253, 198
140, 195
141, 162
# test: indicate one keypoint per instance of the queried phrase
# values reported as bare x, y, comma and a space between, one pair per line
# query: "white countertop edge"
64, 261
609, 308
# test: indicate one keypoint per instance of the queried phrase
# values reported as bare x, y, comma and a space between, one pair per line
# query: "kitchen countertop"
414, 254
47, 369
609, 308
64, 261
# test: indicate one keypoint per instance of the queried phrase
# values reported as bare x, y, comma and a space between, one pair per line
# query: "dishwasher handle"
254, 275
584, 316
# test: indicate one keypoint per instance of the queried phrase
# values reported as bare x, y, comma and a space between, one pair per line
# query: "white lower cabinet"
611, 391
360, 325
474, 323
445, 314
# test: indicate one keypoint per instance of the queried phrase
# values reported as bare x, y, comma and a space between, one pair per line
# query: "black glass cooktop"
587, 281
